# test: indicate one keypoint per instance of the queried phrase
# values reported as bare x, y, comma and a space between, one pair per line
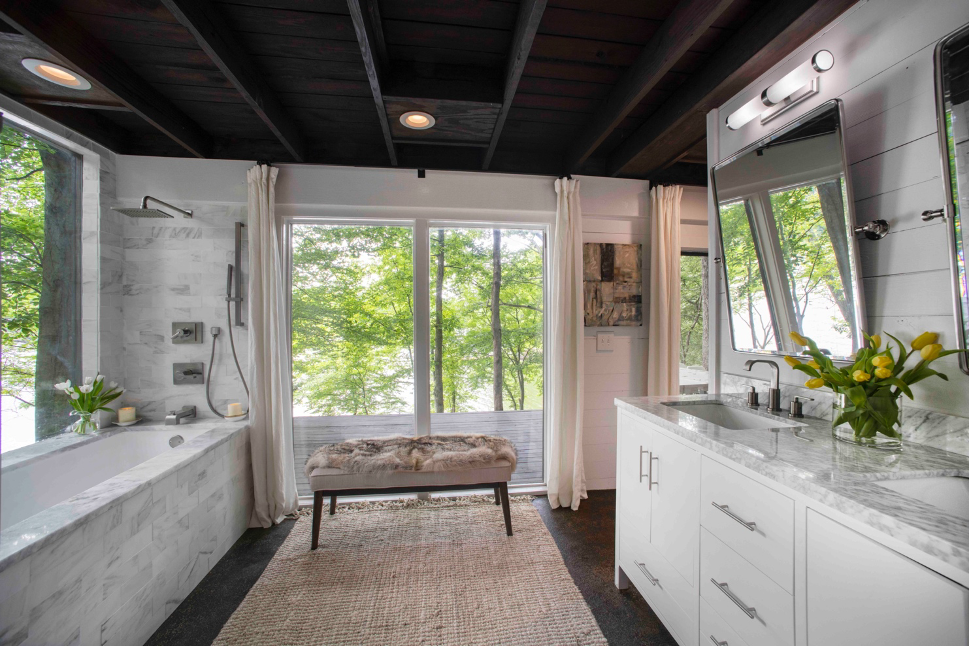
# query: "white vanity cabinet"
725, 555
860, 592
657, 522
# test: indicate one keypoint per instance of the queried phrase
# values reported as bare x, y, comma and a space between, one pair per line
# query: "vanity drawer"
753, 605
729, 501
715, 630
659, 583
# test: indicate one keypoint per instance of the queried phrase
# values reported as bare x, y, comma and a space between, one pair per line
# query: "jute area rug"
414, 572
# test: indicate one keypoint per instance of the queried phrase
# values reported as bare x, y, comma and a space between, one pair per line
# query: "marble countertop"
842, 476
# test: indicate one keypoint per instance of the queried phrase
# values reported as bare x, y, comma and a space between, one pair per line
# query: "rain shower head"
145, 212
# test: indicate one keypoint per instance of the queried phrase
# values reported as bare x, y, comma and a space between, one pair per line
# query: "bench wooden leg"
498, 497
317, 513
504, 491
333, 505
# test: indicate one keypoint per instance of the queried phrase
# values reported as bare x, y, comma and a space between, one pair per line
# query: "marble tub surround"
175, 270
111, 563
840, 476
919, 425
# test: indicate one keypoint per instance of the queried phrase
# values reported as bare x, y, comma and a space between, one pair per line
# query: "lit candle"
235, 410
126, 414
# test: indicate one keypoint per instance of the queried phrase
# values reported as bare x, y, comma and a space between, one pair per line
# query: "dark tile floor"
585, 538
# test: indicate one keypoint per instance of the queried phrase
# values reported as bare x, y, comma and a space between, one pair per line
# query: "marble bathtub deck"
839, 475
30, 535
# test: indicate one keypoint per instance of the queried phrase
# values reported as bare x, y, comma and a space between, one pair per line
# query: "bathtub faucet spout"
174, 417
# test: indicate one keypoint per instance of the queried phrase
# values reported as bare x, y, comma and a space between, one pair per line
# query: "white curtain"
567, 480
270, 420
663, 333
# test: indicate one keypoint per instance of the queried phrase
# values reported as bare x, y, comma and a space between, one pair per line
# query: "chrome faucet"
174, 417
774, 392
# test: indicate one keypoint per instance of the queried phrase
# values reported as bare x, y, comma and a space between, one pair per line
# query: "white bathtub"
39, 484
115, 530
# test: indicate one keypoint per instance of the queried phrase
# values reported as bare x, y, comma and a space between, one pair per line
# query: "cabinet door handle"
643, 568
750, 525
717, 643
650, 480
640, 471
730, 595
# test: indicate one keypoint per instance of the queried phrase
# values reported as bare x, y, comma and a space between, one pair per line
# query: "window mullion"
422, 329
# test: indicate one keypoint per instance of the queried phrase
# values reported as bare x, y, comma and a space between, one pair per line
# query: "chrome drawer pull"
643, 568
717, 643
732, 515
730, 595
650, 481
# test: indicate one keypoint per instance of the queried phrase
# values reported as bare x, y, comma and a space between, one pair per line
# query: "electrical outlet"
604, 342
188, 373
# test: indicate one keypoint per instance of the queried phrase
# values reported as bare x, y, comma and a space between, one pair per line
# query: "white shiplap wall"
884, 76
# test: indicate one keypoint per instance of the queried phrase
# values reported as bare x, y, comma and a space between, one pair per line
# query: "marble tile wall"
175, 270
920, 425
116, 578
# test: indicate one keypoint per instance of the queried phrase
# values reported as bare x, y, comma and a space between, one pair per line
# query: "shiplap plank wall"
884, 76
622, 371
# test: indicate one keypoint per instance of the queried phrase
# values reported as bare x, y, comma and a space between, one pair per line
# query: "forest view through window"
693, 323
354, 347
40, 262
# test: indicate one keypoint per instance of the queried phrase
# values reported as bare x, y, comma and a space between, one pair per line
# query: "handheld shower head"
229, 284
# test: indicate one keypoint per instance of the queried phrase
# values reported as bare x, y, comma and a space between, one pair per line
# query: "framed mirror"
951, 107
786, 220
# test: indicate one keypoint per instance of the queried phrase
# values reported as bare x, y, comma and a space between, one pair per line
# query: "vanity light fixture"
417, 120
57, 74
793, 88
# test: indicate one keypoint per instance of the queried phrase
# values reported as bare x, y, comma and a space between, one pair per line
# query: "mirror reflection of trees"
750, 314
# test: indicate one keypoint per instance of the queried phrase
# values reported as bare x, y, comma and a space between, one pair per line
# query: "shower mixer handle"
182, 332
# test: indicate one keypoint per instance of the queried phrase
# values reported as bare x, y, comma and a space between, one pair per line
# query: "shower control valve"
188, 373
186, 332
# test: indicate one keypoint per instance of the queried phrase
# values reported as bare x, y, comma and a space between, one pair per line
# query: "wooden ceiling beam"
688, 22
217, 39
370, 49
526, 26
69, 103
52, 28
770, 35
89, 124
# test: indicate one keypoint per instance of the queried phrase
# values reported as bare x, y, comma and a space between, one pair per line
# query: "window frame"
421, 228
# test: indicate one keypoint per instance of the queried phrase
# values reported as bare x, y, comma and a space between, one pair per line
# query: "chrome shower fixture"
145, 212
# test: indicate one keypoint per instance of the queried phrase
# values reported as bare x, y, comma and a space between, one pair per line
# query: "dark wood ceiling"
616, 88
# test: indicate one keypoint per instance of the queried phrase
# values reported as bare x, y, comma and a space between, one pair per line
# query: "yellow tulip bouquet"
873, 384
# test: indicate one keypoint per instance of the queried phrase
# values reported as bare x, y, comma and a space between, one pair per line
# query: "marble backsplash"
175, 270
919, 425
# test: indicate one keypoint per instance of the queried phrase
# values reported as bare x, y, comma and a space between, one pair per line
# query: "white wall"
884, 75
614, 211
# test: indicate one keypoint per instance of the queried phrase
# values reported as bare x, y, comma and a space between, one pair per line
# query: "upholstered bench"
410, 465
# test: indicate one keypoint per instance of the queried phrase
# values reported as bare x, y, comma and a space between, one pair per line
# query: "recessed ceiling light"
57, 74
417, 120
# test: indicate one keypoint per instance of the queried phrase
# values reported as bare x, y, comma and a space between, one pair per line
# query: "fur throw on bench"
425, 453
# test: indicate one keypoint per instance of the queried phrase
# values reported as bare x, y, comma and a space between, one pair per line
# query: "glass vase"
85, 422
865, 430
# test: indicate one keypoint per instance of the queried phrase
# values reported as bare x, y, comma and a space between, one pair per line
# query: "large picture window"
354, 289
40, 269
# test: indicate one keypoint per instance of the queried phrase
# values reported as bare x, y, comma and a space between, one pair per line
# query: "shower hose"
232, 344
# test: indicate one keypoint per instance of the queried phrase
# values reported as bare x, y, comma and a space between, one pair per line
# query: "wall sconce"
791, 89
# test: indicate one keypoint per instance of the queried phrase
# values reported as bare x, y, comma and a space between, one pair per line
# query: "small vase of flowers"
88, 399
868, 392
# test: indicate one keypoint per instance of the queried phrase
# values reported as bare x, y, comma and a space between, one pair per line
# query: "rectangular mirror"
791, 262
951, 103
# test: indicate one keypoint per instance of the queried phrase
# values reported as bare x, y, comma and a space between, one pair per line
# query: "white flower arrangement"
89, 398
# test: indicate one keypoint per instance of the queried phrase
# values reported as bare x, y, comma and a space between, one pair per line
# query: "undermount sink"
949, 493
727, 417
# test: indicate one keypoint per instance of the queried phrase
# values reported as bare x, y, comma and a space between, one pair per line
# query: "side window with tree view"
693, 323
40, 263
